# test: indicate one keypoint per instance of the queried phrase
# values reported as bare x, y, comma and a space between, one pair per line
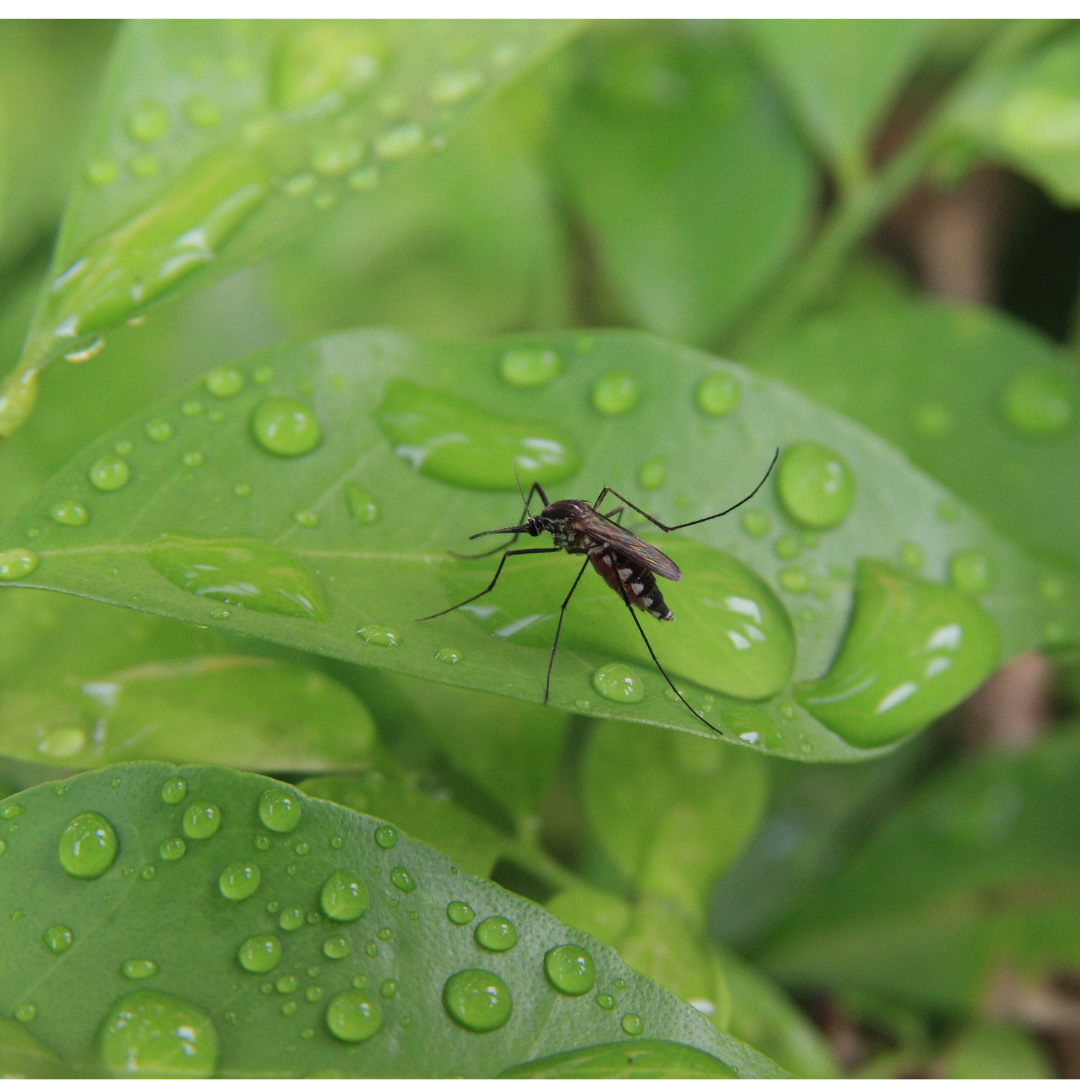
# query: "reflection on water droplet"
148, 122
101, 171
477, 1000
570, 969
69, 512
794, 579
158, 430
279, 809
399, 142
453, 87
971, 571
344, 897
224, 382
353, 1016
17, 563
172, 849
617, 682
719, 393
336, 948
201, 820
379, 635
449, 656
454, 441
260, 953
202, 112
239, 880
459, 913
109, 473
400, 877
152, 1034
362, 507
528, 368
61, 742
615, 394
496, 934
57, 939
1040, 403
87, 846
138, 969
632, 1024
386, 836
651, 475
285, 427
816, 485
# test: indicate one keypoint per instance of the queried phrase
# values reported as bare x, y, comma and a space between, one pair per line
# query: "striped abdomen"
638, 583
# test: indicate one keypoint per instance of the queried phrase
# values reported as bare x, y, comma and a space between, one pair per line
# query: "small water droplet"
288, 1008
88, 352
25, 1012
384, 933
787, 546
399, 142
632, 1024
912, 556
193, 459
364, 179
400, 877
615, 394
262, 842
307, 518
172, 849
69, 512
344, 897
718, 393
285, 427
286, 984
148, 122
386, 836
371, 949
101, 171
259, 954
147, 872
1040, 403
335, 157
152, 1034
459, 913
335, 948
139, 968
477, 1000
570, 969
224, 382
581, 704
143, 165
58, 939
971, 571
109, 473
87, 846
174, 790
191, 408
353, 1016
362, 507
337, 842
449, 655
201, 820
619, 984
202, 112
219, 614
453, 87
158, 430
239, 880
241, 491
617, 682
528, 368
496, 934
652, 473
933, 420
279, 810
794, 579
375, 634
605, 1001
17, 563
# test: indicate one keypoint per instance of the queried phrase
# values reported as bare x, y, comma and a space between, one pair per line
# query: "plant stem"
529, 855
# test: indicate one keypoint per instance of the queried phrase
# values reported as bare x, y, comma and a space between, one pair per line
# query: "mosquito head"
534, 526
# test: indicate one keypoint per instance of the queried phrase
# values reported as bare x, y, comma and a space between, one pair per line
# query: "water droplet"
605, 1001
794, 579
241, 491
389, 988
147, 872
617, 682
172, 849
528, 368
912, 556
477, 1000
353, 1016
453, 87
158, 430
364, 179
336, 948
301, 848
88, 352
191, 408
61, 742
971, 571
13, 809
337, 842
219, 614
379, 635
224, 382
240, 570
69, 512
313, 994
933, 420
615, 394
400, 877
384, 933
619, 984
581, 704
816, 485
279, 809
148, 122
449, 656
286, 984
143, 165
285, 426
912, 650
947, 512
632, 1024
651, 475
57, 939
193, 459
344, 897
335, 157
17, 563
362, 507
139, 968
454, 441
202, 112
371, 949
718, 393
307, 518
1040, 403
787, 546
101, 171
201, 820
359, 981
570, 969
152, 1034
262, 842
459, 913
109, 473
386, 836
496, 934
87, 846
292, 918
25, 1012
260, 954
239, 880
399, 142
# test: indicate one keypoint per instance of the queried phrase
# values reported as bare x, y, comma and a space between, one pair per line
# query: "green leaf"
295, 531
21, 1054
985, 1049
423, 812
978, 874
671, 811
177, 928
1024, 115
689, 183
215, 141
967, 393
649, 1057
840, 77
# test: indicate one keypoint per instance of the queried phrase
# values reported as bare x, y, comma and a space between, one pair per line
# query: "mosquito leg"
660, 667
558, 629
484, 592
616, 514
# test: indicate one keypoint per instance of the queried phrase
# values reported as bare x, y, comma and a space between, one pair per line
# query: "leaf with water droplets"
753, 618
233, 980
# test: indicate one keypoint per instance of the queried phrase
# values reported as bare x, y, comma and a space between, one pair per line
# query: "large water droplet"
344, 897
615, 394
376, 634
528, 368
362, 507
244, 571
459, 443
353, 1016
570, 969
477, 1000
152, 1034
138, 969
260, 953
285, 427
459, 913
69, 512
17, 563
109, 473
239, 880
719, 393
632, 1024
87, 846
148, 122
913, 650
386, 836
971, 571
57, 939
816, 485
201, 820
617, 682
174, 790
279, 809
1040, 403
496, 934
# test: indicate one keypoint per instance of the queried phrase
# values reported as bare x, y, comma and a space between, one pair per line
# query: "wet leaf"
985, 1048
21, 1054
183, 942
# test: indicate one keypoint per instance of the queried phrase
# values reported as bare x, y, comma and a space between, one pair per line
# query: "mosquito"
627, 563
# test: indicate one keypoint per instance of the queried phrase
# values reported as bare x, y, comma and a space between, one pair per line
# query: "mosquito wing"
633, 547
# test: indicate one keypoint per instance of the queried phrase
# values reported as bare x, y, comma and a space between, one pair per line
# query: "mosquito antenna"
517, 481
